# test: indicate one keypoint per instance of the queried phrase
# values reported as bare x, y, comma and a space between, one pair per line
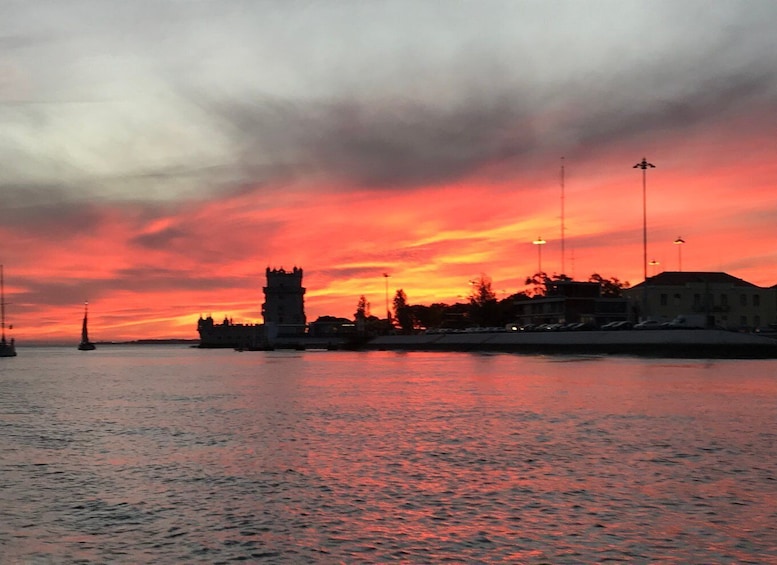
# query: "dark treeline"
482, 308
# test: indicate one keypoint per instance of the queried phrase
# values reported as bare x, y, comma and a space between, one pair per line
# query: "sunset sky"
157, 155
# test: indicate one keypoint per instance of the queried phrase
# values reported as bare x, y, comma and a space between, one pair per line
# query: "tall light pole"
679, 242
539, 242
388, 312
563, 267
644, 165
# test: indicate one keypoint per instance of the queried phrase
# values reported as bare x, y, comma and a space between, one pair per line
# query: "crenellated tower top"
284, 300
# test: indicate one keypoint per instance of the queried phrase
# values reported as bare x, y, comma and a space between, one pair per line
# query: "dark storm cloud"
415, 144
77, 289
396, 145
419, 144
621, 112
160, 239
348, 273
57, 292
45, 211
153, 279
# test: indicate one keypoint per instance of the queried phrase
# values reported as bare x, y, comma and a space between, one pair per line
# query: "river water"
168, 454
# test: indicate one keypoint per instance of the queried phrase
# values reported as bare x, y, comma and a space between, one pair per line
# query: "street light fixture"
653, 264
539, 242
679, 242
644, 165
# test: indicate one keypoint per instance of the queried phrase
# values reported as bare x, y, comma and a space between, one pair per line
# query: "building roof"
682, 278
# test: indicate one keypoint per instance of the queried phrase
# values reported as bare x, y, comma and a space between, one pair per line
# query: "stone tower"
284, 303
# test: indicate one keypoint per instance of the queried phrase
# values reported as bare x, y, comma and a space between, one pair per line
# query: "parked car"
578, 326
648, 325
619, 325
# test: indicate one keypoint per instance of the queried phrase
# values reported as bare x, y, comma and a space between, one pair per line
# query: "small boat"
85, 344
7, 348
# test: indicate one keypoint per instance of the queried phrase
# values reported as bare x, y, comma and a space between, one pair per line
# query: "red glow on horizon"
152, 273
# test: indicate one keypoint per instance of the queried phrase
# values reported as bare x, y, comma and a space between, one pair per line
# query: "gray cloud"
404, 145
396, 145
171, 100
81, 287
45, 211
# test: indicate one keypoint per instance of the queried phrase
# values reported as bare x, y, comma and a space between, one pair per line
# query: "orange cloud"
150, 269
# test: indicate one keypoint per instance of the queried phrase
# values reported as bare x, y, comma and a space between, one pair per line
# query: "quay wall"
692, 343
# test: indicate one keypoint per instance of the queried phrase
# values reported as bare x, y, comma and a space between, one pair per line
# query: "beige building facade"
724, 300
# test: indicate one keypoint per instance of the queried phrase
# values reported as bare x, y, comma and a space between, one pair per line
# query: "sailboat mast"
84, 332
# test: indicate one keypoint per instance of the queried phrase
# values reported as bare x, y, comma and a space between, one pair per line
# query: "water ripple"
185, 456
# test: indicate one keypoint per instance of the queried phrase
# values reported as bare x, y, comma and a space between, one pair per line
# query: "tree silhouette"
429, 316
483, 309
402, 313
362, 309
539, 282
609, 287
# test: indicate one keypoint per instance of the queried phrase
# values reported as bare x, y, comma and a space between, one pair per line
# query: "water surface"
167, 454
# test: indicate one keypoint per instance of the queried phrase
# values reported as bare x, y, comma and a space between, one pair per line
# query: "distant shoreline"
169, 341
173, 341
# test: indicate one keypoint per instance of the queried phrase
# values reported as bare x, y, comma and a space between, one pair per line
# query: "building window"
756, 300
664, 299
743, 300
697, 299
743, 320
724, 299
757, 321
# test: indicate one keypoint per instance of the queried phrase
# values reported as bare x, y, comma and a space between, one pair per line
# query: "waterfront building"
724, 300
228, 334
570, 302
332, 326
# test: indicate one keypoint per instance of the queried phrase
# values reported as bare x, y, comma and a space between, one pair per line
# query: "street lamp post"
679, 242
644, 165
388, 312
539, 242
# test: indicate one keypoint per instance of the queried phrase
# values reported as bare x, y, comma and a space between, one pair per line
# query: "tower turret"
284, 301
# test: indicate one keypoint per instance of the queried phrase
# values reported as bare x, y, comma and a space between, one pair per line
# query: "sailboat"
7, 348
85, 344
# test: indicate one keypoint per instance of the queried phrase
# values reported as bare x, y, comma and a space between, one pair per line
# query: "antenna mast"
563, 267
